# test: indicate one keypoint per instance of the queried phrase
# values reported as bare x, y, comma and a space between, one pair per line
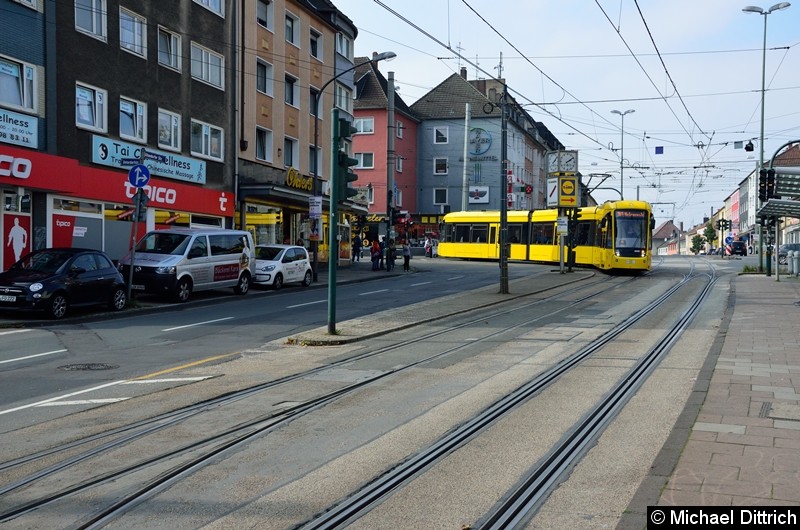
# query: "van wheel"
57, 308
183, 290
118, 299
278, 283
244, 284
307, 279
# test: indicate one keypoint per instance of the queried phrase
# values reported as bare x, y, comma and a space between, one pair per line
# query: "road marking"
32, 356
14, 331
167, 380
455, 278
373, 292
197, 324
307, 303
39, 403
83, 402
187, 365
417, 284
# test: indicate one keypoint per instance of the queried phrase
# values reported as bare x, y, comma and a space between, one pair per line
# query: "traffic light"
718, 226
771, 184
762, 185
392, 216
342, 174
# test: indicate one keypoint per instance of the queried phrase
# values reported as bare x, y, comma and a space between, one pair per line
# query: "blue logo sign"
139, 176
479, 141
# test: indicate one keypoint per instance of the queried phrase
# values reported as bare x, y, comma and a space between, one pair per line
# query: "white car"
280, 264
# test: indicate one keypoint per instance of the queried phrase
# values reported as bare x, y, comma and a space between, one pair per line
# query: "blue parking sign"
139, 175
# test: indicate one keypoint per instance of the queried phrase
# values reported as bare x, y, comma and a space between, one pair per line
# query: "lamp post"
622, 150
387, 56
756, 9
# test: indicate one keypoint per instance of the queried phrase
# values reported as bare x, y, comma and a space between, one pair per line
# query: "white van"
175, 262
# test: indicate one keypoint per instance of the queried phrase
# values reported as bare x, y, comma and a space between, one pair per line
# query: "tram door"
493, 241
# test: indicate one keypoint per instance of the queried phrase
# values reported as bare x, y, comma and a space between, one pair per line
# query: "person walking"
391, 255
357, 248
383, 248
375, 254
406, 256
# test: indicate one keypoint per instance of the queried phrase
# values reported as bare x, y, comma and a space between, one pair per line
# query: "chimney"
464, 72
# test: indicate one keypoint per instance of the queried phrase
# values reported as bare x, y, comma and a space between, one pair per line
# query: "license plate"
7, 298
137, 287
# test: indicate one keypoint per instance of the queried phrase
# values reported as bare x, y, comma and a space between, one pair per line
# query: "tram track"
217, 446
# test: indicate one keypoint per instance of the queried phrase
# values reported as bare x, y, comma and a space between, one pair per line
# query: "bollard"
796, 262
789, 262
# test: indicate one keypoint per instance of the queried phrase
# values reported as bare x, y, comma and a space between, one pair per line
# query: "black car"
55, 279
738, 247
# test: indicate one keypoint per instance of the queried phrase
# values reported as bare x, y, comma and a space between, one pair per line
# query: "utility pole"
504, 192
390, 162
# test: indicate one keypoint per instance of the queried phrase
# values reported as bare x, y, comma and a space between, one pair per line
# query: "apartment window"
291, 91
169, 130
207, 65
132, 119
90, 107
365, 160
398, 198
398, 164
207, 140
29, 3
364, 125
314, 159
440, 166
315, 44
440, 196
344, 98
90, 17
370, 195
440, 135
290, 153
263, 144
399, 129
264, 79
313, 101
292, 29
265, 14
212, 5
169, 49
344, 46
132, 32
17, 84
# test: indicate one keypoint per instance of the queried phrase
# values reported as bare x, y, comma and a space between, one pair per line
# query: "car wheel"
278, 283
183, 290
307, 279
58, 306
244, 284
118, 299
782, 260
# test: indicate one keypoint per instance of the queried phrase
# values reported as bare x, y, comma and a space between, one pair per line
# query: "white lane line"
456, 277
373, 292
307, 303
32, 356
423, 283
197, 324
83, 402
166, 380
14, 331
39, 403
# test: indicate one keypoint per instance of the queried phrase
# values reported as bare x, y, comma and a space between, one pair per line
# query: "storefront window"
17, 203
68, 205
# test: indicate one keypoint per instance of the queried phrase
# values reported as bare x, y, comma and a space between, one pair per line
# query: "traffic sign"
129, 161
728, 240
567, 192
552, 192
139, 175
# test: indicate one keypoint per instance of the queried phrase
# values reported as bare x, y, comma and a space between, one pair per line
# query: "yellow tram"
615, 236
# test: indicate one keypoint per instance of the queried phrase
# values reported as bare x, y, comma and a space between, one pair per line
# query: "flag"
659, 149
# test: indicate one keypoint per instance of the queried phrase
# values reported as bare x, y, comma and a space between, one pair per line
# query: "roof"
447, 100
372, 89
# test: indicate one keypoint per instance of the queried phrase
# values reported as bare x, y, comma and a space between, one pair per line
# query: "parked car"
738, 248
277, 265
56, 279
783, 249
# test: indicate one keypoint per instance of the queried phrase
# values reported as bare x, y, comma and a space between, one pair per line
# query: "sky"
690, 70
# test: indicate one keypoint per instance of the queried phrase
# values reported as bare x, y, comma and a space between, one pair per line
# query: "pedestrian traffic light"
762, 185
342, 174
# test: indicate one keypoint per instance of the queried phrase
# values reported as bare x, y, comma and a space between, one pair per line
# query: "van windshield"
158, 243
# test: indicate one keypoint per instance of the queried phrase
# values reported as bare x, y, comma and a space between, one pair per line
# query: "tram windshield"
630, 229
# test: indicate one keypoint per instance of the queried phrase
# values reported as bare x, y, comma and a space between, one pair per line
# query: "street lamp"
385, 56
622, 150
756, 9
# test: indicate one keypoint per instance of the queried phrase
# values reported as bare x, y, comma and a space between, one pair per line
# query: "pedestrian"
383, 248
428, 247
406, 256
391, 255
357, 248
375, 254
300, 242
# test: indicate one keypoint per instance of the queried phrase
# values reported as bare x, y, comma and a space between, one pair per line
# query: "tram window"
448, 233
515, 233
462, 233
493, 235
478, 234
542, 233
584, 233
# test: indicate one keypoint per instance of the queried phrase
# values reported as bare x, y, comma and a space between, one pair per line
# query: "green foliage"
697, 243
710, 233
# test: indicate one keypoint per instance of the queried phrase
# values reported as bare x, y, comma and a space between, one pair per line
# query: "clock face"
569, 161
552, 161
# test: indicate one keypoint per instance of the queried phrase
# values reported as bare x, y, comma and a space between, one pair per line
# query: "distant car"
277, 265
784, 249
56, 279
738, 248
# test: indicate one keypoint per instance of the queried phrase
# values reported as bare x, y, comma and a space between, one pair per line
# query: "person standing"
375, 254
357, 248
428, 247
383, 248
406, 256
391, 255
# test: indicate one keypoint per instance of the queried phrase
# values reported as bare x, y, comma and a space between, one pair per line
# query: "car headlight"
34, 287
165, 270
267, 268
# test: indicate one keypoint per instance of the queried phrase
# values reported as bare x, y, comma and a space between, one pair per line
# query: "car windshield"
268, 253
163, 243
48, 262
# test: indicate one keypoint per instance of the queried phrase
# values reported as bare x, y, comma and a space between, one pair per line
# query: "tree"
697, 243
710, 234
